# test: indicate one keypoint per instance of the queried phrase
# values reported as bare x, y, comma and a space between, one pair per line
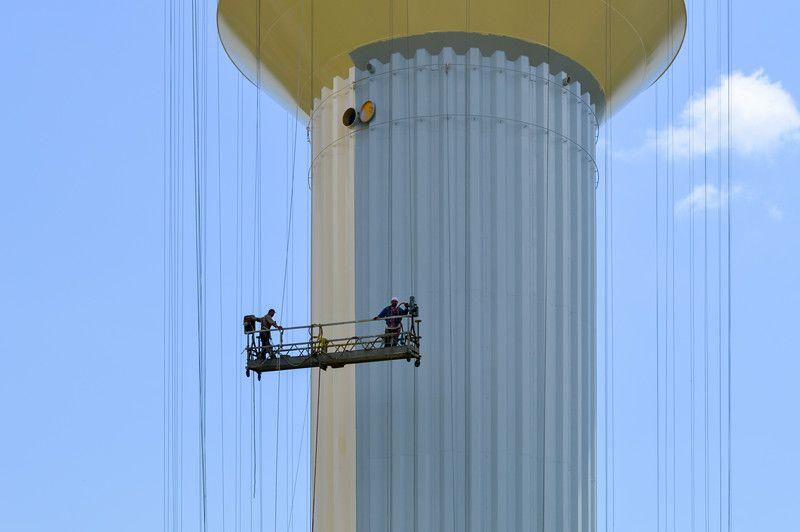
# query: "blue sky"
82, 234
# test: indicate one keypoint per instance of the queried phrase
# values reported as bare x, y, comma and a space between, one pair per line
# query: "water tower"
453, 146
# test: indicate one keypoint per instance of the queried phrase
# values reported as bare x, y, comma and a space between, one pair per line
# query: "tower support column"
473, 188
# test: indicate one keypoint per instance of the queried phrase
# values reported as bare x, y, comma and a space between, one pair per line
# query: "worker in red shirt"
394, 324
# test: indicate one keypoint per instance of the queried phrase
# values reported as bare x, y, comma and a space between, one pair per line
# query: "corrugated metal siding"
459, 202
472, 189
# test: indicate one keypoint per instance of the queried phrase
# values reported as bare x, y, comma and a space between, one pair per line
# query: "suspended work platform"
316, 350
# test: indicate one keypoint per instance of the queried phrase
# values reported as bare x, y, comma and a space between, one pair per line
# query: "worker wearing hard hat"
267, 322
394, 324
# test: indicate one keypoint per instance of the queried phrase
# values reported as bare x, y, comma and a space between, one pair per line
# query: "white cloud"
705, 197
775, 212
710, 198
764, 118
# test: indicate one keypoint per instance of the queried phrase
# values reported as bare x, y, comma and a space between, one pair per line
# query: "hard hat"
395, 299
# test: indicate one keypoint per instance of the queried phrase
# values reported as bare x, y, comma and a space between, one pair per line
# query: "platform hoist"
321, 348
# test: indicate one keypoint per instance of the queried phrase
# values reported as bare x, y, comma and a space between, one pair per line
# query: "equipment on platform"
249, 325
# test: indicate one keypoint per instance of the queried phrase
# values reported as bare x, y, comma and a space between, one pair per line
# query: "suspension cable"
606, 273
547, 137
166, 221
719, 258
657, 327
692, 439
706, 479
297, 468
311, 284
450, 369
290, 184
671, 288
728, 260
199, 134
221, 292
256, 488
389, 246
467, 246
412, 184
238, 297
316, 449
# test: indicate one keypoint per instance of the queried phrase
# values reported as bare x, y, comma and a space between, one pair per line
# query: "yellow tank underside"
306, 43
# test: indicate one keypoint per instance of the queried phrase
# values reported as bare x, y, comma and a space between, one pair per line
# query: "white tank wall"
495, 237
333, 300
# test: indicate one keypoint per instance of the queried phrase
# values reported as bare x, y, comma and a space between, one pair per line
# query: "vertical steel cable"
165, 177
290, 216
706, 478
291, 167
605, 278
719, 255
662, 432
176, 263
171, 314
199, 134
316, 445
180, 276
297, 469
389, 244
174, 138
256, 276
548, 104
692, 438
449, 215
611, 320
237, 301
657, 329
671, 225
668, 326
610, 420
412, 230
220, 294
311, 283
467, 257
729, 277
